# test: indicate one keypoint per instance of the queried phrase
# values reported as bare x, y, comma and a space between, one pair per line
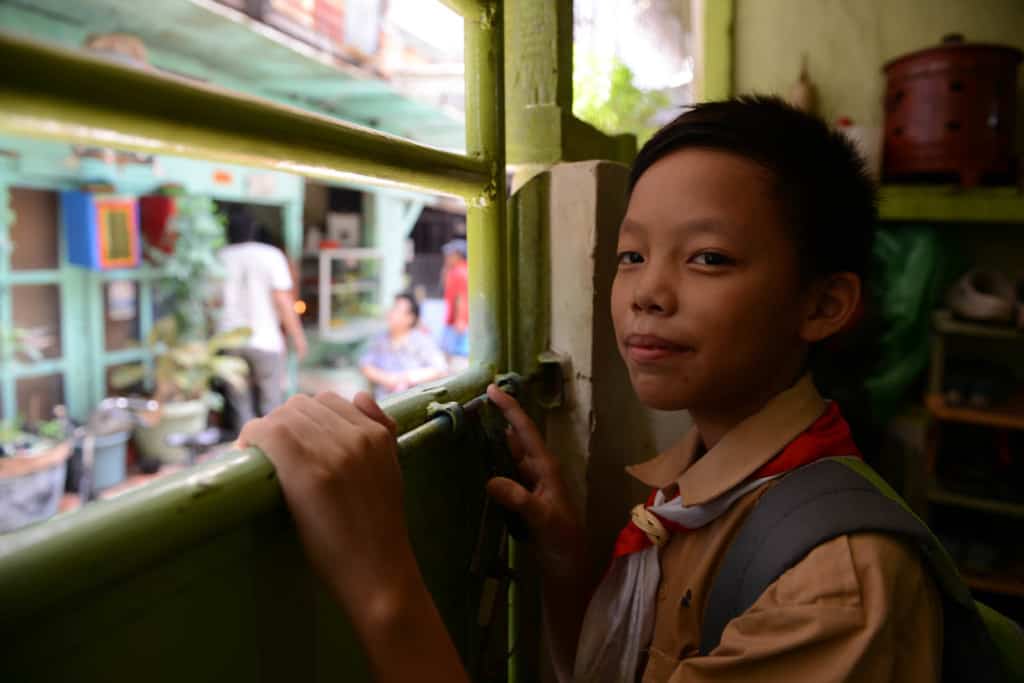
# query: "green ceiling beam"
66, 95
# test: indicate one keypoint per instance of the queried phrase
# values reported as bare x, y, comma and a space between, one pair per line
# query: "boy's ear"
834, 302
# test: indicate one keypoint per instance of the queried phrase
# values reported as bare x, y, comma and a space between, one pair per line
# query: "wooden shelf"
942, 496
1009, 414
948, 203
1004, 584
946, 323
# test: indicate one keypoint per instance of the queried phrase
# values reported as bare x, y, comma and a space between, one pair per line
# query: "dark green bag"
840, 496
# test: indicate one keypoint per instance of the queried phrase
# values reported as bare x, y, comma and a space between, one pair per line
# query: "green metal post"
485, 215
716, 77
541, 127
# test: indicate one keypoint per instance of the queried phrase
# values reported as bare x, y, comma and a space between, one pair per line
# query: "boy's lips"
646, 348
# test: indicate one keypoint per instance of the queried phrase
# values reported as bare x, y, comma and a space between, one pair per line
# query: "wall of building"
846, 42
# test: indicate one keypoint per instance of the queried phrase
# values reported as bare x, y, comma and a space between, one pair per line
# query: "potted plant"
187, 359
33, 467
183, 376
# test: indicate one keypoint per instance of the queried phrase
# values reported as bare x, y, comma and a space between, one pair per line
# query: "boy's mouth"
643, 348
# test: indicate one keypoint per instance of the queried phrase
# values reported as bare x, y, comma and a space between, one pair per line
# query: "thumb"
512, 495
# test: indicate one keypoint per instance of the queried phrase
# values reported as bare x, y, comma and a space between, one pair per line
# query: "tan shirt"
858, 608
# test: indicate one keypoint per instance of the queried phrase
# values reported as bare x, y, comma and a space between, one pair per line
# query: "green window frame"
69, 96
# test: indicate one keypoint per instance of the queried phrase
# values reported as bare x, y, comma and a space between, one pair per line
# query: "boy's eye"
711, 258
630, 258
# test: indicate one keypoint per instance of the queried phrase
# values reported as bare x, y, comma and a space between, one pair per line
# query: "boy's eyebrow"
696, 225
702, 225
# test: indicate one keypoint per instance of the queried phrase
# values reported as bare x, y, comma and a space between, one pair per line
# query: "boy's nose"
653, 295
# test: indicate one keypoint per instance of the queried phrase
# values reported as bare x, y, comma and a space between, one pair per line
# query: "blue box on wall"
102, 231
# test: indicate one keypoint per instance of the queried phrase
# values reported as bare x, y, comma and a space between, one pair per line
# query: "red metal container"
950, 113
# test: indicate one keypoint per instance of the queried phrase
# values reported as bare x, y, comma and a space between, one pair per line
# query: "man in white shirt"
257, 293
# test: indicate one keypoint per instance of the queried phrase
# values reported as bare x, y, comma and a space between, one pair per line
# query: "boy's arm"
338, 467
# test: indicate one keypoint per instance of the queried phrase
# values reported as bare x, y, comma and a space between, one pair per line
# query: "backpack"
839, 496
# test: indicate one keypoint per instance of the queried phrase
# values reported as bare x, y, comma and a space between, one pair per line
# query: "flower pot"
185, 417
31, 485
109, 456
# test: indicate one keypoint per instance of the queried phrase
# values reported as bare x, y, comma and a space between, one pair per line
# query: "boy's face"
707, 301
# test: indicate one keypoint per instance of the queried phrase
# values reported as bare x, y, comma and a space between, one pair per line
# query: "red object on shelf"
156, 212
950, 110
330, 244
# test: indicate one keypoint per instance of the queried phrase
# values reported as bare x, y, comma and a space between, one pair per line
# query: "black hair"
414, 306
820, 180
242, 227
825, 195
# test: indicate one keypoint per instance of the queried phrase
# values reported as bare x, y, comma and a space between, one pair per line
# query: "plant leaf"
230, 339
127, 375
234, 371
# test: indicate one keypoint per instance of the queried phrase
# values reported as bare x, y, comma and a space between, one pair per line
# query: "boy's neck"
714, 422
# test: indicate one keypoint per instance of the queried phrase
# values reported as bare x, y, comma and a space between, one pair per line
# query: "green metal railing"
66, 95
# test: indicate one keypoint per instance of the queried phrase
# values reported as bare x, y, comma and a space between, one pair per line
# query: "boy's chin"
659, 394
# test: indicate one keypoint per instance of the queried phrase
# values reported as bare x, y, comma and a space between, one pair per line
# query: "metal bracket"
550, 378
510, 382
452, 410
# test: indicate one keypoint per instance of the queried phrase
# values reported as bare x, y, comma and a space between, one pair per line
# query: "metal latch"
550, 381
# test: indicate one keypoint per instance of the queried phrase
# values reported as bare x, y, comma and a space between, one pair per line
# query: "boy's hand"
338, 467
544, 502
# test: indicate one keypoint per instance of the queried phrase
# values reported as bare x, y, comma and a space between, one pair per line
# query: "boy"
745, 245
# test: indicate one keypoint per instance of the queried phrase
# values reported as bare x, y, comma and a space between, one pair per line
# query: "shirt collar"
744, 449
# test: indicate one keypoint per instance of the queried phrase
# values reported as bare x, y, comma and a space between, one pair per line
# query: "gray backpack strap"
815, 504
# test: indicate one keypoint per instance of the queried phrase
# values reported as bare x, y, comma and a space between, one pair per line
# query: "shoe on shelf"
984, 295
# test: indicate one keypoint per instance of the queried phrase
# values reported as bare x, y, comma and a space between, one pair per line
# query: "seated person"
404, 356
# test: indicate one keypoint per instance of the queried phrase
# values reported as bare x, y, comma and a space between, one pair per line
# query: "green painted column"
715, 81
541, 127
485, 212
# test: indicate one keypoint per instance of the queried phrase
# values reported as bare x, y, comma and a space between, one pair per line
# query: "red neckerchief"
828, 437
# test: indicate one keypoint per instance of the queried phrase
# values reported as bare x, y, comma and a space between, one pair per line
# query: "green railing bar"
67, 95
114, 538
410, 409
485, 140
